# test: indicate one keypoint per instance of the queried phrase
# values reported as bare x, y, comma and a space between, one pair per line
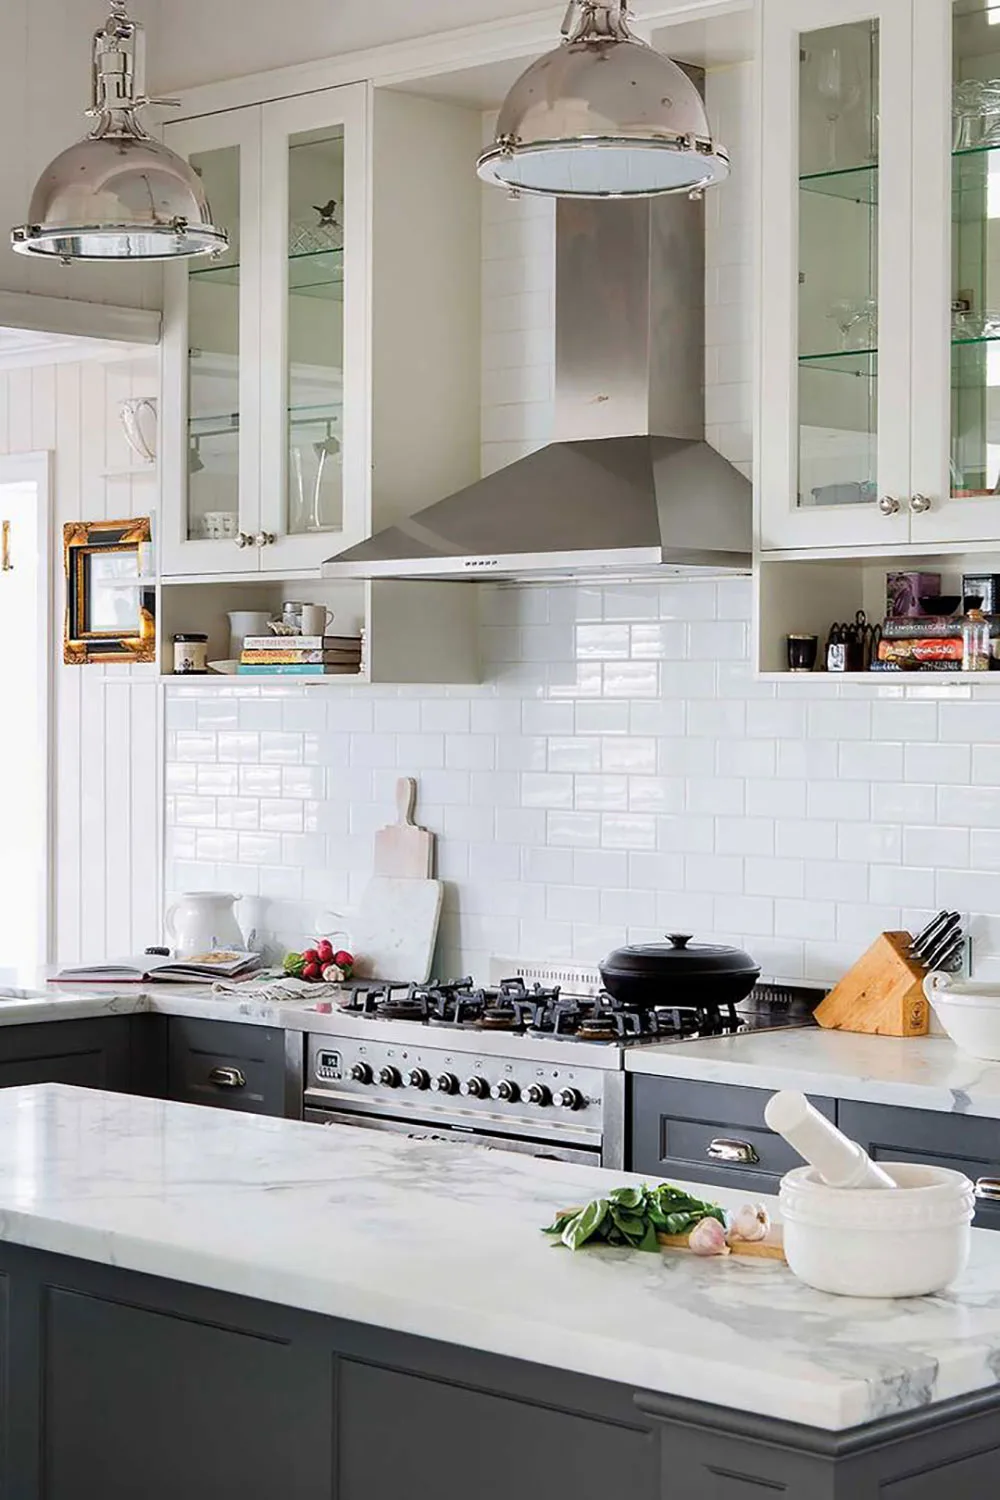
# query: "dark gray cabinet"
961, 1142
226, 1064
715, 1133
96, 1052
709, 1132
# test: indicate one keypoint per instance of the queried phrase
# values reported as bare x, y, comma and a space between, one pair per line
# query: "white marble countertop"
921, 1072
325, 1219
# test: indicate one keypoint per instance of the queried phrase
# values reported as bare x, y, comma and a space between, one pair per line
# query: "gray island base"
195, 1306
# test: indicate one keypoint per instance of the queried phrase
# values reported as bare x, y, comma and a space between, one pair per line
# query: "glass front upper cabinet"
209, 419
315, 493
974, 456
838, 266
835, 253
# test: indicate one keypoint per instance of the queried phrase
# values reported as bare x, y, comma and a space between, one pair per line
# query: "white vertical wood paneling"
106, 733
117, 777
68, 872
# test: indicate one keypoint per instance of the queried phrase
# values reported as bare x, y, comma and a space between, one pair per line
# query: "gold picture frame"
110, 605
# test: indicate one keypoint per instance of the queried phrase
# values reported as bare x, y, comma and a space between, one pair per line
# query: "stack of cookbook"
300, 655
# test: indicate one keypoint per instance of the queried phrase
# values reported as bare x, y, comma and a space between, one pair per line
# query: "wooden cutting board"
403, 850
395, 928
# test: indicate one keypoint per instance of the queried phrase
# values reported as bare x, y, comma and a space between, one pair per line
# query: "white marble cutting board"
395, 928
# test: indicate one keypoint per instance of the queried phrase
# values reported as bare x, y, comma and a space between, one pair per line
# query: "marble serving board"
444, 1241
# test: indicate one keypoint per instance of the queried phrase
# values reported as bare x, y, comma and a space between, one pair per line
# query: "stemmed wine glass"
838, 84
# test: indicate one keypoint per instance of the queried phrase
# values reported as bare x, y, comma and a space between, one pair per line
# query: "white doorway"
25, 693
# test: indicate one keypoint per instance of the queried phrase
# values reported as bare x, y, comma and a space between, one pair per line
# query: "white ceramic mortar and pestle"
859, 1228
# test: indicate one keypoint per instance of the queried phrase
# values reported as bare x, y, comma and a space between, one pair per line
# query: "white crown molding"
424, 57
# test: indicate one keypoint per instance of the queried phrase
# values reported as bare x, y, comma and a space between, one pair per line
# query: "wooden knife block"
882, 994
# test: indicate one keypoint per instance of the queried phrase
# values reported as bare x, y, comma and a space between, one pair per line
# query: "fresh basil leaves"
633, 1216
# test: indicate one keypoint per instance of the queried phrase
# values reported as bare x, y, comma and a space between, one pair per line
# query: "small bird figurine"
328, 213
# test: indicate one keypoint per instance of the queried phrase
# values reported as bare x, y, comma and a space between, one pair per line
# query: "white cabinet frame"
783, 524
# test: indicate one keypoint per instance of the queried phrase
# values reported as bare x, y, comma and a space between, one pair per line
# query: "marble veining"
921, 1072
444, 1241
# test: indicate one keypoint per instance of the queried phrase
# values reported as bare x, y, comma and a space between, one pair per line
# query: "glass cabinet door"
211, 404
957, 290
315, 495
834, 460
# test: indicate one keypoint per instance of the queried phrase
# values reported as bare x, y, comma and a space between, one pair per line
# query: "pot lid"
679, 955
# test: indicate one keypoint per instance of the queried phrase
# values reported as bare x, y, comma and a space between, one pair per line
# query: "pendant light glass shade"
603, 116
119, 194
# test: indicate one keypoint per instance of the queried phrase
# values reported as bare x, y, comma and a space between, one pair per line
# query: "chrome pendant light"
603, 116
119, 194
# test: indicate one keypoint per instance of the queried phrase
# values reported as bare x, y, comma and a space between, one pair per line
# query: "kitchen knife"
952, 937
927, 933
946, 923
947, 956
923, 940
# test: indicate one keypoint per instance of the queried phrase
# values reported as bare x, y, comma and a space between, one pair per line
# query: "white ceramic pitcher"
201, 921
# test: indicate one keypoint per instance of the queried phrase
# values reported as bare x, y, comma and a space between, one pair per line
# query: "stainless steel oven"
539, 1105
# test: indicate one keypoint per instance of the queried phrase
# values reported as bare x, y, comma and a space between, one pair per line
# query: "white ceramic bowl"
876, 1242
969, 1013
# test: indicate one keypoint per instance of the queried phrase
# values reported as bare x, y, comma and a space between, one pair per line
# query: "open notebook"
149, 967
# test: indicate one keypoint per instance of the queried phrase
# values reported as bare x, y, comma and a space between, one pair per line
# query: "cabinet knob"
243, 539
723, 1149
919, 504
888, 505
265, 538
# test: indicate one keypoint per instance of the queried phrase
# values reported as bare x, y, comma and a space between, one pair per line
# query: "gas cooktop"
514, 1008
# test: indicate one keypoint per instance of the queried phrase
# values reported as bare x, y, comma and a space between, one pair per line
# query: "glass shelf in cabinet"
859, 362
223, 423
983, 149
858, 184
310, 272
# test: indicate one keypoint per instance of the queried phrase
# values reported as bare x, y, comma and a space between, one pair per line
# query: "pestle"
840, 1162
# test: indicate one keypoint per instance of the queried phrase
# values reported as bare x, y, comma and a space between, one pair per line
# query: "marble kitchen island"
201, 1304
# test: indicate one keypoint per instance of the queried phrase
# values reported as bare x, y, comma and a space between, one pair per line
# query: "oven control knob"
445, 1083
361, 1073
389, 1078
418, 1078
569, 1099
476, 1088
507, 1090
537, 1093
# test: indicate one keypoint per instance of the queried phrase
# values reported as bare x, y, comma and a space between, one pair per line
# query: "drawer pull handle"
988, 1188
228, 1078
723, 1149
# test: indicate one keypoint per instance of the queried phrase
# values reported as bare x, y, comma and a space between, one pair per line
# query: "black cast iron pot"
679, 972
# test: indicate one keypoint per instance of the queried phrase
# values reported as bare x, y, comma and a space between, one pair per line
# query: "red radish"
343, 959
310, 955
311, 971
325, 950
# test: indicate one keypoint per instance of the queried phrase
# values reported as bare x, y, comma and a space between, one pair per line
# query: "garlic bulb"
751, 1222
708, 1238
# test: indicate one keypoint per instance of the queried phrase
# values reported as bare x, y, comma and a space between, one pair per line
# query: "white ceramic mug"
315, 619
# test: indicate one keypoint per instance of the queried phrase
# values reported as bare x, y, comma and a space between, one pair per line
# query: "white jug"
201, 921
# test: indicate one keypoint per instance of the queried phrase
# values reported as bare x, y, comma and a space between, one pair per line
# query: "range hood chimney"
628, 486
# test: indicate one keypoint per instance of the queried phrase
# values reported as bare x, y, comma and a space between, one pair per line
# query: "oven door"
545, 1150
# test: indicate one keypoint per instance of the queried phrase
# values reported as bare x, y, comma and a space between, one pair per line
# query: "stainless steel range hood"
629, 486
